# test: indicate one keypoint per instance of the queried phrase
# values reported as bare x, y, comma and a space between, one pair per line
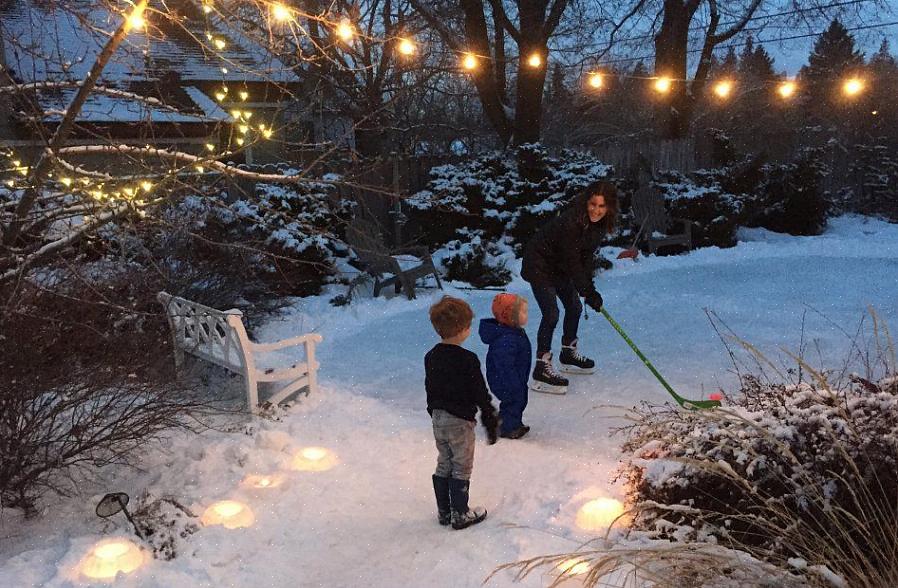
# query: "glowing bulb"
267, 133
220, 44
314, 459
723, 89
210, 147
228, 513
281, 13
599, 514
10, 183
136, 20
469, 62
345, 30
247, 114
406, 47
200, 169
16, 162
129, 192
263, 482
224, 70
853, 87
66, 182
535, 60
244, 95
207, 9
146, 185
220, 96
875, 112
663, 85
244, 129
787, 89
236, 113
596, 80
111, 557
240, 141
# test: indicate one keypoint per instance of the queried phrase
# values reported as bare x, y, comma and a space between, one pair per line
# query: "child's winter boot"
574, 363
545, 378
441, 490
462, 516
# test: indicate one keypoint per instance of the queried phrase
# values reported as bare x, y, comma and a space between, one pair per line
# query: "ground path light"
573, 567
599, 514
263, 482
110, 557
228, 513
313, 459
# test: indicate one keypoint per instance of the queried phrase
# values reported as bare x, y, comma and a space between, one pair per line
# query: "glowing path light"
599, 514
228, 513
313, 459
110, 557
262, 482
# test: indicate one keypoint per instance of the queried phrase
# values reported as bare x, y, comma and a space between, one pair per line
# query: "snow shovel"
632, 252
680, 400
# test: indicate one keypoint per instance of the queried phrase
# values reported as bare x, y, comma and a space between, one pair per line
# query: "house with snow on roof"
196, 75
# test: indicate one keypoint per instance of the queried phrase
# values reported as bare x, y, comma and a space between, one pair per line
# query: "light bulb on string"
469, 62
852, 87
406, 47
345, 30
787, 89
662, 85
281, 13
596, 80
723, 88
535, 60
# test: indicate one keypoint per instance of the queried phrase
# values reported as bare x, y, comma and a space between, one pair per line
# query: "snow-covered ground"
370, 520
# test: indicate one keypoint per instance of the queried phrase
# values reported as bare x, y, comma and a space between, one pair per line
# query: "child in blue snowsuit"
508, 361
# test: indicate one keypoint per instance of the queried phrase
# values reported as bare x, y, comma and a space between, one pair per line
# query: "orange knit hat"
507, 308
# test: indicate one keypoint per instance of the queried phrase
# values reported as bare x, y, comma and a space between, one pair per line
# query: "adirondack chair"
656, 225
404, 266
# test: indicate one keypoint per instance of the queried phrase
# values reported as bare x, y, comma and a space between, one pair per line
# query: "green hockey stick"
680, 400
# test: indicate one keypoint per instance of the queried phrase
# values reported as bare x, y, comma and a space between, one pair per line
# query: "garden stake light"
114, 502
680, 400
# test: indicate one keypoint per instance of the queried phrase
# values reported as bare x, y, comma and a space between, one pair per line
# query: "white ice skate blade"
544, 388
572, 369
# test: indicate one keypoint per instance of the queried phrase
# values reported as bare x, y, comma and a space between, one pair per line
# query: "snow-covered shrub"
476, 261
791, 200
165, 523
875, 175
799, 475
500, 194
714, 212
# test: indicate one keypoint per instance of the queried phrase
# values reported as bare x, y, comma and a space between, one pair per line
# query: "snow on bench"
219, 337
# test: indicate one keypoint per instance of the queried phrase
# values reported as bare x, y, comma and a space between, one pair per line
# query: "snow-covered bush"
798, 475
499, 194
714, 212
476, 261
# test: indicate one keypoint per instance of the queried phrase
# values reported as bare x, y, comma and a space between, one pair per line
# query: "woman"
558, 263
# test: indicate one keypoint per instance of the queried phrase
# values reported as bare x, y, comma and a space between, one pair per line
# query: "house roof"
45, 42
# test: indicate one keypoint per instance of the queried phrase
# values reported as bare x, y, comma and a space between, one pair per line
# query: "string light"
469, 62
853, 87
210, 147
662, 85
345, 30
535, 60
406, 47
787, 89
240, 141
220, 96
244, 129
267, 133
146, 185
219, 43
135, 19
596, 80
244, 95
723, 89
66, 182
280, 12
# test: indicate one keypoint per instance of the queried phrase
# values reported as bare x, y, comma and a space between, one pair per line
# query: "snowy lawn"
371, 521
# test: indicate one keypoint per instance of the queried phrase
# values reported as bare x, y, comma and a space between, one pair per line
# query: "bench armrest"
291, 342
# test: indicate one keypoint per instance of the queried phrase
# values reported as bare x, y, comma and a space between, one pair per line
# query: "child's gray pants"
455, 442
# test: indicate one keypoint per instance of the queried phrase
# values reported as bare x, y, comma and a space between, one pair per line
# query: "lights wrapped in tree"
345, 30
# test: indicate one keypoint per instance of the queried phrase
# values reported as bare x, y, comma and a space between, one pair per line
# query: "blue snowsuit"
507, 369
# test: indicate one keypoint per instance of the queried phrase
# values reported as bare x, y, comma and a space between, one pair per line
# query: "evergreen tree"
833, 59
755, 63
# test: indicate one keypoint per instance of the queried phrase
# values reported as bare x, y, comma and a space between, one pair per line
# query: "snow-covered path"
370, 520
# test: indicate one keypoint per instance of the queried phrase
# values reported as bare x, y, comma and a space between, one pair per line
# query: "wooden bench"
656, 225
219, 337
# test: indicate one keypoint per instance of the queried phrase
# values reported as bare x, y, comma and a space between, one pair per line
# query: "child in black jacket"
455, 390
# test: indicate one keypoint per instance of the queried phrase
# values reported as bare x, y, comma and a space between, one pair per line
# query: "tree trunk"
671, 46
531, 80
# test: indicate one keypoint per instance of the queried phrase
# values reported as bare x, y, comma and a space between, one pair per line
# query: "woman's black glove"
594, 301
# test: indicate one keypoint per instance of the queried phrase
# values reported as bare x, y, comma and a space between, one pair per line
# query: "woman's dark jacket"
562, 251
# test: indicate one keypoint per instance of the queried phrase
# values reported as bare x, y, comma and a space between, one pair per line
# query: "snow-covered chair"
405, 265
219, 337
656, 224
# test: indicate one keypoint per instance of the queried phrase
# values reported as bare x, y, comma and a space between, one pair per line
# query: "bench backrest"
365, 239
214, 335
